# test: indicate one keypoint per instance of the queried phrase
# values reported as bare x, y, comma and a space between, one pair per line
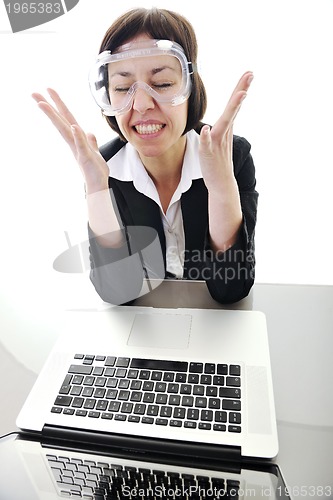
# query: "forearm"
103, 220
225, 214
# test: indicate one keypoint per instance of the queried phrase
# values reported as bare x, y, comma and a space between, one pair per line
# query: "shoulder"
111, 148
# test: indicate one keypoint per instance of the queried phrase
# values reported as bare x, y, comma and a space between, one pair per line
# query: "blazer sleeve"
231, 274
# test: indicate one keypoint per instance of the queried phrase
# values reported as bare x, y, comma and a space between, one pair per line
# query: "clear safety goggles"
159, 67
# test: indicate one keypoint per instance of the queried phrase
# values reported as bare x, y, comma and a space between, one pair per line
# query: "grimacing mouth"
151, 128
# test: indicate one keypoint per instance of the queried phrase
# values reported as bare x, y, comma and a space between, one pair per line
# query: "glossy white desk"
300, 327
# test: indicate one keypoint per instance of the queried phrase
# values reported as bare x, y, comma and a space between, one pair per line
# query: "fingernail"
250, 78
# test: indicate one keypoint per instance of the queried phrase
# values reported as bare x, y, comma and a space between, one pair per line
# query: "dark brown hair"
160, 24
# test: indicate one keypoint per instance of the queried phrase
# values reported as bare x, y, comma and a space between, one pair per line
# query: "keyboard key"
133, 374
233, 381
77, 402
110, 361
234, 417
63, 401
148, 397
139, 409
126, 407
214, 403
107, 416
174, 400
144, 375
226, 392
218, 380
192, 414
205, 426
179, 412
219, 427
231, 404
80, 369
222, 369
161, 399
235, 370
114, 406
120, 417
206, 415
181, 377
68, 411
211, 391
206, 379
168, 377
201, 402
190, 424
196, 368
56, 409
159, 364
234, 428
198, 390
147, 420
161, 421
123, 362
187, 401
165, 411
221, 416
173, 388
133, 418
210, 368
160, 387
175, 423
94, 414
100, 358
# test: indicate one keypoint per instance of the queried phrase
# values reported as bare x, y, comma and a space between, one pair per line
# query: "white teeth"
148, 129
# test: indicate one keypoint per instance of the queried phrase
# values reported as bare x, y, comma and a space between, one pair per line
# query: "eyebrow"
154, 71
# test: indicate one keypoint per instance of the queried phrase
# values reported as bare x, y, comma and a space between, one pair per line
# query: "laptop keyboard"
94, 480
204, 396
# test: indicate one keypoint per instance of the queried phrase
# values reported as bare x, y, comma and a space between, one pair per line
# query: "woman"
194, 185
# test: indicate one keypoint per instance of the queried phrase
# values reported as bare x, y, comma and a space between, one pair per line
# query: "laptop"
189, 382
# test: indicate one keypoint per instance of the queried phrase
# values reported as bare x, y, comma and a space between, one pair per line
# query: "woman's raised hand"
216, 144
83, 146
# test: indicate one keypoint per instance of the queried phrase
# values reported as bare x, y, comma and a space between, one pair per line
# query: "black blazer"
229, 276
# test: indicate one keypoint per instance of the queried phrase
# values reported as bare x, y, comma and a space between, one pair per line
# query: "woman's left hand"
215, 149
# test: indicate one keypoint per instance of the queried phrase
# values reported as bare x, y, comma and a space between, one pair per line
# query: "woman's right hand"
83, 146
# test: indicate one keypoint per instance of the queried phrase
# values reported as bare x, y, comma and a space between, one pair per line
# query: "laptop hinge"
227, 457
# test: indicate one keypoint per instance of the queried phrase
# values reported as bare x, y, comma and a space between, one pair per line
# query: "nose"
142, 101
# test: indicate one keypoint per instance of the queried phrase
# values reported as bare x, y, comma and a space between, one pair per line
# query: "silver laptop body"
227, 413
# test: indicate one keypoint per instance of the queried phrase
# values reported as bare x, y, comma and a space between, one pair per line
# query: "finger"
92, 141
205, 144
233, 106
61, 106
81, 143
244, 82
57, 120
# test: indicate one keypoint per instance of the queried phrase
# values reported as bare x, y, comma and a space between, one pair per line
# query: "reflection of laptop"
189, 382
34, 470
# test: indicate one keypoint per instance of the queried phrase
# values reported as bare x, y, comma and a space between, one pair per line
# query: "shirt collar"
127, 166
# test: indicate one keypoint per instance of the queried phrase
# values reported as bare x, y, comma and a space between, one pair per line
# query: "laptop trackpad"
169, 331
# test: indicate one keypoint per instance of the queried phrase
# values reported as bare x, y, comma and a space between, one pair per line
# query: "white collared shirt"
127, 166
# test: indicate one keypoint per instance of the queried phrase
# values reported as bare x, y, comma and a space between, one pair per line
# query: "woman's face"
152, 128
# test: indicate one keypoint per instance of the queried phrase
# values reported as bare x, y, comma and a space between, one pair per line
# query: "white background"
287, 117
